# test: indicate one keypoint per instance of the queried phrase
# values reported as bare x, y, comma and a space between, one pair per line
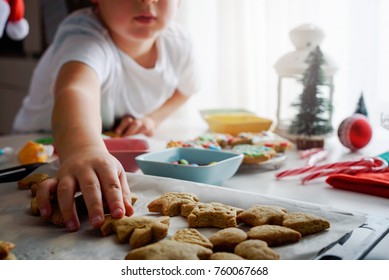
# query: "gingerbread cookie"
170, 250
34, 207
198, 144
279, 147
139, 231
5, 250
134, 198
222, 139
263, 138
254, 154
258, 215
191, 235
239, 140
170, 203
305, 223
32, 181
274, 235
212, 214
255, 250
225, 256
226, 239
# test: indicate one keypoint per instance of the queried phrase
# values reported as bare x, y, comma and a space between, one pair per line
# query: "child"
123, 59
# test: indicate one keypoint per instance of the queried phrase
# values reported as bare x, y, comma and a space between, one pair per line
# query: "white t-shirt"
126, 87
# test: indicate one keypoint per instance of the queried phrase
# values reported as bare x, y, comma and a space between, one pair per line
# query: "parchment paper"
37, 240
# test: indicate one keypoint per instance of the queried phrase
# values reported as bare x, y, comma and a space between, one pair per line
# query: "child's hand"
131, 126
99, 176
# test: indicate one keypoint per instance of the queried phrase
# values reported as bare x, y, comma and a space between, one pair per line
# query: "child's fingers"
123, 125
126, 194
65, 194
112, 190
90, 187
45, 189
135, 127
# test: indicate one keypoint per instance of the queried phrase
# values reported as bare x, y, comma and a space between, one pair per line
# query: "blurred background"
238, 44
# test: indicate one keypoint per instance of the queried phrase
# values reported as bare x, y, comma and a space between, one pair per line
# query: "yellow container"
236, 123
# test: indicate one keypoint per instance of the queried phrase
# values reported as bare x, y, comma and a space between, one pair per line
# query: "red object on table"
355, 132
369, 183
126, 150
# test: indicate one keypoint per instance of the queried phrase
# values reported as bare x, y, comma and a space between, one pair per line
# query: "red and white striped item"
370, 164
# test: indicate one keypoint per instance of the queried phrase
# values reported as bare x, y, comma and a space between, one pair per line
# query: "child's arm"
86, 164
147, 125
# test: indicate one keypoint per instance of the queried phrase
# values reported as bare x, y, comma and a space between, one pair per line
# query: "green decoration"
312, 105
361, 106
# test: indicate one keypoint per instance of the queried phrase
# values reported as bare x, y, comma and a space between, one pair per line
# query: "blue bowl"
224, 164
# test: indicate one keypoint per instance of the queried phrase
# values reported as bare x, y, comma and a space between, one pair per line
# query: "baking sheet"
37, 240
149, 187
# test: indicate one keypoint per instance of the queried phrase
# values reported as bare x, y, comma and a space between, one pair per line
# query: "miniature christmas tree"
361, 106
312, 105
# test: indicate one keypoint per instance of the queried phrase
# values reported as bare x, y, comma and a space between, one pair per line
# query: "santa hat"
12, 19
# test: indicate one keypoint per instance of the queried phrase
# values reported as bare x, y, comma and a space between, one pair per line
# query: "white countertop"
262, 180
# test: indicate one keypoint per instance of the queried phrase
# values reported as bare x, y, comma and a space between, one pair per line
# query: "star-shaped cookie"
258, 215
305, 223
169, 204
211, 214
139, 231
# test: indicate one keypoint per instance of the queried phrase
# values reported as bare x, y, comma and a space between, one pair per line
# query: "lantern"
291, 67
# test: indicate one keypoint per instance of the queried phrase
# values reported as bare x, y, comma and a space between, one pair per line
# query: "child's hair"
73, 5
